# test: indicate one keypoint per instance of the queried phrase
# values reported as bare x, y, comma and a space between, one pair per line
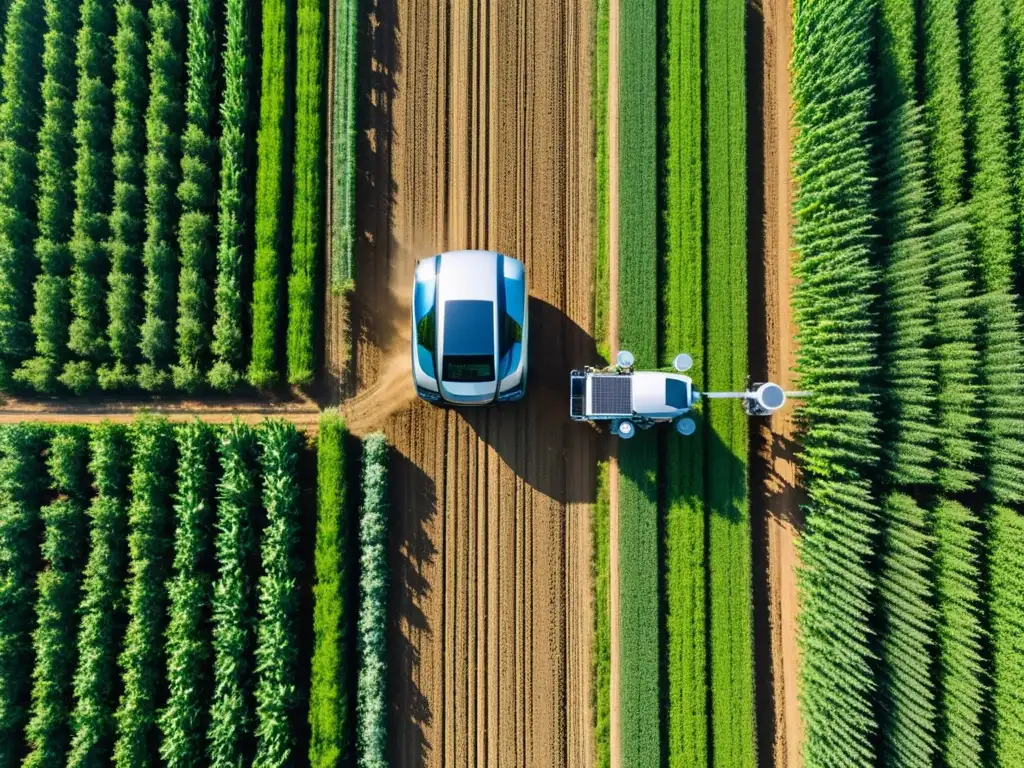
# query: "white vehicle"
632, 400
469, 328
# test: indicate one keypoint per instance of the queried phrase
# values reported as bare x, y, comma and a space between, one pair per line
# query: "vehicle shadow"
535, 436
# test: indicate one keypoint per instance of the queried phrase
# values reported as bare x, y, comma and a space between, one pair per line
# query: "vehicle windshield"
468, 368
677, 394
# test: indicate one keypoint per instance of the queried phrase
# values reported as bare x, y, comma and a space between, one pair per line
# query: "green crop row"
343, 138
599, 108
153, 581
110, 214
601, 655
639, 662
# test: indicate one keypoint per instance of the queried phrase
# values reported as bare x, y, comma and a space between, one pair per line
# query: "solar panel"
577, 387
611, 395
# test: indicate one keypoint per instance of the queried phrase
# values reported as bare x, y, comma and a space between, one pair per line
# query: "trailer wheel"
624, 429
686, 426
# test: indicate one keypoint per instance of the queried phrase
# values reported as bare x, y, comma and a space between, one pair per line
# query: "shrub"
93, 187
49, 730
22, 490
20, 115
343, 130
1006, 566
183, 722
371, 694
960, 679
196, 232
96, 682
307, 224
833, 306
227, 346
271, 141
231, 711
329, 705
142, 660
163, 126
55, 160
127, 222
276, 695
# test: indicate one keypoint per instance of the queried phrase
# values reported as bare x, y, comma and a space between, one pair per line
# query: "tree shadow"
411, 553
546, 460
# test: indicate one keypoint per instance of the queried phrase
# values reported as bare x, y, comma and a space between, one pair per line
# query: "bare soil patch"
775, 489
477, 134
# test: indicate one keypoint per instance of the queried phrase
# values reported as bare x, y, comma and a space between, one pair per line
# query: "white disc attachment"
624, 429
682, 362
686, 426
625, 359
769, 397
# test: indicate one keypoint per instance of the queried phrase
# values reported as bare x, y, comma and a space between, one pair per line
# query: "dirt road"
478, 134
775, 495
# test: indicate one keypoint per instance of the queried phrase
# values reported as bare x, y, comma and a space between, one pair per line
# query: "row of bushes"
138, 268
343, 143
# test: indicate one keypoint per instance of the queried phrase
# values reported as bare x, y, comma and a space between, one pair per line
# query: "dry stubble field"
477, 134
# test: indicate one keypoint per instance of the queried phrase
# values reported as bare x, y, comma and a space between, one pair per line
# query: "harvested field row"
478, 135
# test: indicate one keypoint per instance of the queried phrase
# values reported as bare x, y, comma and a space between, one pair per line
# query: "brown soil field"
477, 134
774, 483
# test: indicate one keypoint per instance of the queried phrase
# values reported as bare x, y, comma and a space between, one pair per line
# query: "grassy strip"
729, 558
833, 303
1006, 567
599, 105
371, 695
64, 545
683, 330
329, 704
343, 128
638, 331
271, 142
601, 661
306, 222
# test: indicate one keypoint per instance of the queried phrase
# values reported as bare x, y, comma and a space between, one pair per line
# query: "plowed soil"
775, 490
478, 135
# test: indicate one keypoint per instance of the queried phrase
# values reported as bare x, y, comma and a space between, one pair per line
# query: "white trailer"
629, 399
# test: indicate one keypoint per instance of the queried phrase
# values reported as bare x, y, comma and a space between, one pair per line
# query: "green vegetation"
602, 651
163, 158
102, 608
231, 710
307, 218
23, 483
329, 706
20, 116
94, 186
272, 142
833, 307
371, 690
1007, 622
730, 620
127, 221
183, 721
276, 694
55, 212
196, 231
142, 661
228, 345
64, 521
343, 138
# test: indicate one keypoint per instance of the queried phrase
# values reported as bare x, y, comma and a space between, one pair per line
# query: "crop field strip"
126, 212
483, 140
934, 553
